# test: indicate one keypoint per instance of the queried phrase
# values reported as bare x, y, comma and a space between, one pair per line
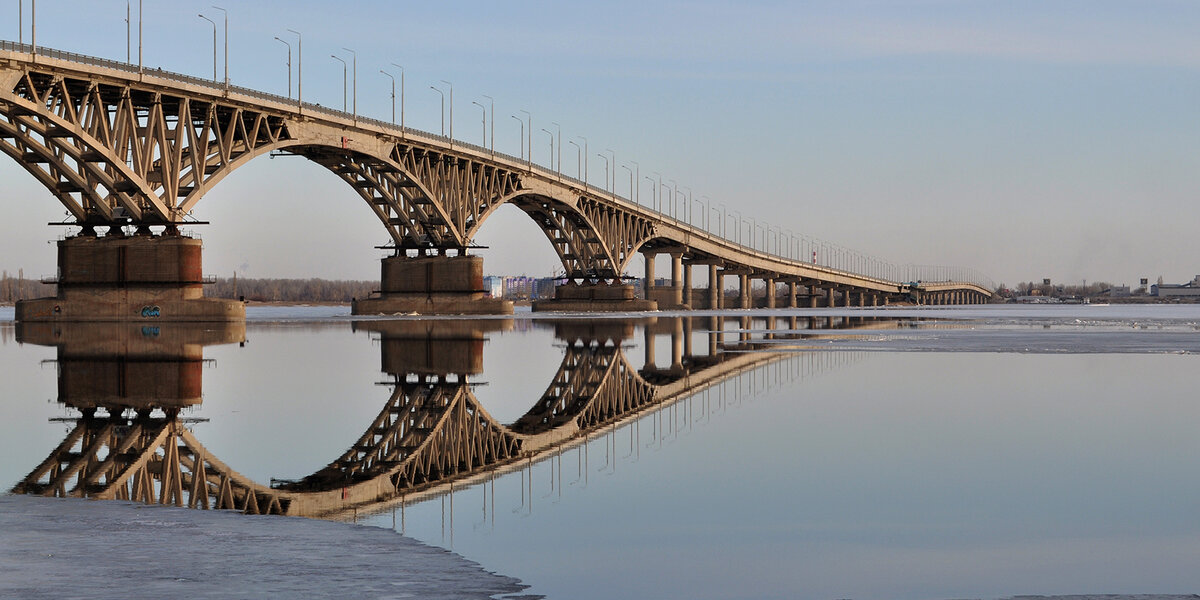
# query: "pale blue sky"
1026, 139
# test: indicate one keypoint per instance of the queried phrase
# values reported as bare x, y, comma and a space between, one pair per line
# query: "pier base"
431, 285
140, 278
594, 297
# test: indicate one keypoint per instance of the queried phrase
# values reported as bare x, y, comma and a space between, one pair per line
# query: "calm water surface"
930, 454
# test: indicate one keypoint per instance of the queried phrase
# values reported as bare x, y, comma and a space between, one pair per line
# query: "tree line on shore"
17, 288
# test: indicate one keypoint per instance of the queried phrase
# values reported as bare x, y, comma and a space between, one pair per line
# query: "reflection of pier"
432, 432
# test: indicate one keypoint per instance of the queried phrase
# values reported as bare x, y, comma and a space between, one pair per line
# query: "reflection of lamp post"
289, 64
214, 24
344, 67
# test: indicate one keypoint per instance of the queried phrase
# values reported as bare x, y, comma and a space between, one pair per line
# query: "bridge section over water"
123, 147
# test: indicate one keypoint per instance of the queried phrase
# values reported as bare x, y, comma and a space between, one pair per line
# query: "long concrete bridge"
132, 150
431, 434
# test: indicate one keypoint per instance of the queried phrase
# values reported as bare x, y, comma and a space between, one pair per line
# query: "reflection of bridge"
431, 432
119, 146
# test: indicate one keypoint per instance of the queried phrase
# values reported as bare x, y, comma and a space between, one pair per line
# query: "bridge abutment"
449, 285
136, 278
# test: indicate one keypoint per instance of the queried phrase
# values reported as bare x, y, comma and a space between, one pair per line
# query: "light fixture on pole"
214, 24
226, 44
401, 96
289, 63
451, 86
492, 111
441, 95
529, 138
389, 76
482, 109
345, 67
299, 69
522, 123
578, 159
354, 79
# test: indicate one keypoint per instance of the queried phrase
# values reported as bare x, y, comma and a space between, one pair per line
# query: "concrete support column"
649, 274
714, 288
813, 291
744, 291
770, 281
862, 298
830, 301
791, 294
676, 279
687, 285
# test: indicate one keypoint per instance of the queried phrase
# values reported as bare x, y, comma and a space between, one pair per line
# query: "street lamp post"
299, 69
344, 80
613, 189
605, 169
551, 134
522, 123
128, 33
492, 110
529, 138
578, 159
586, 160
483, 109
451, 86
354, 57
226, 13
214, 24
389, 76
637, 193
401, 97
558, 159
441, 95
289, 63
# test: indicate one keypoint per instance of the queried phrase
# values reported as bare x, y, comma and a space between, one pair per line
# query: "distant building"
493, 287
1189, 289
1118, 291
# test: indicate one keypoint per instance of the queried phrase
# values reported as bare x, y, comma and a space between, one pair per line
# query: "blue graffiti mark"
150, 311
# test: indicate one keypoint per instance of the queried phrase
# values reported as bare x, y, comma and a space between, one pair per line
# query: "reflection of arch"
431, 431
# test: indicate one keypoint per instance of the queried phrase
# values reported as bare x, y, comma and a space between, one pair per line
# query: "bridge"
130, 442
133, 150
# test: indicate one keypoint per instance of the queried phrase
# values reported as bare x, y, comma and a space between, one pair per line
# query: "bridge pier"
598, 296
770, 281
745, 292
431, 284
714, 287
130, 278
791, 294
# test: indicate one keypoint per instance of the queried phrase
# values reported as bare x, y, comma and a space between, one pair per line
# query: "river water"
978, 452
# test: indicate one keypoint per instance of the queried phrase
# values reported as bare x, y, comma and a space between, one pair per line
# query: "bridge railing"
798, 249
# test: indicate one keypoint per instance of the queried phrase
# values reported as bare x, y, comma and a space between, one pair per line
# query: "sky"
1025, 139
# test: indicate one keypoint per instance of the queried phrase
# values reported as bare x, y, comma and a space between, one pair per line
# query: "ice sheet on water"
69, 548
